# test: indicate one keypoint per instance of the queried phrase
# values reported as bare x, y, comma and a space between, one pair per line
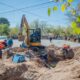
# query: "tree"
39, 24
65, 4
75, 19
4, 29
74, 13
14, 31
35, 24
4, 21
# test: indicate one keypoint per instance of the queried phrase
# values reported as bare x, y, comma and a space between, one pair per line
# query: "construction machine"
33, 41
32, 37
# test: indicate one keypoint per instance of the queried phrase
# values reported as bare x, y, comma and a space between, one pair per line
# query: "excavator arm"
24, 23
32, 37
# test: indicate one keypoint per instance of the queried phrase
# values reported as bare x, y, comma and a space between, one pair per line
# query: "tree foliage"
74, 13
4, 21
50, 29
75, 19
4, 29
14, 31
65, 4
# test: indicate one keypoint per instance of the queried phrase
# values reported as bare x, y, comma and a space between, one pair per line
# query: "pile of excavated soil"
18, 49
77, 53
64, 70
22, 71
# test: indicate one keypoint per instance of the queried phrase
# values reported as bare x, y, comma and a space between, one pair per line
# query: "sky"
39, 12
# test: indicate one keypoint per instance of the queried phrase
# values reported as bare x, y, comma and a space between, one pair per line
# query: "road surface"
46, 42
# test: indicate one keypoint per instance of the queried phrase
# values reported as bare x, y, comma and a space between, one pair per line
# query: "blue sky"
33, 13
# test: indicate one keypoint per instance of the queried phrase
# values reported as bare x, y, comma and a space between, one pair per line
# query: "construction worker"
1, 47
67, 52
50, 39
9, 42
65, 46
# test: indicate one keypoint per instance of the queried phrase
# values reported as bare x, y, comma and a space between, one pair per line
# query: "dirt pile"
18, 49
64, 70
55, 52
77, 53
23, 71
12, 72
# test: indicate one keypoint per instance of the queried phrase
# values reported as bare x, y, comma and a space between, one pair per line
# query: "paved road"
46, 42
59, 43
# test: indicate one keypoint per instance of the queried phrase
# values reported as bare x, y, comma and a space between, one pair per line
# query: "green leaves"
49, 11
70, 1
73, 12
56, 0
78, 19
4, 29
4, 21
75, 27
63, 7
73, 24
14, 31
55, 8
65, 4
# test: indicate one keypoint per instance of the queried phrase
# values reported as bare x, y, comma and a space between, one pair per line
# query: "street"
46, 42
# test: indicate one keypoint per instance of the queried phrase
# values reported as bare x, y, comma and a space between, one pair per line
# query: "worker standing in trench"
7, 52
9, 42
1, 47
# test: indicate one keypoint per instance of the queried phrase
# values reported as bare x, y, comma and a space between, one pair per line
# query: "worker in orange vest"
66, 46
2, 46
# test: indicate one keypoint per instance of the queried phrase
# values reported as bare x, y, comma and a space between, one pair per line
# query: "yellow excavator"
32, 37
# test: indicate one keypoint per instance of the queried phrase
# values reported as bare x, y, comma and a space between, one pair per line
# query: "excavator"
33, 41
32, 37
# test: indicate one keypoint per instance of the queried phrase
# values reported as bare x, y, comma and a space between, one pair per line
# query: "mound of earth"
64, 70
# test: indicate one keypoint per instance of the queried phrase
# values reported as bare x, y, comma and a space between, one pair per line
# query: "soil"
64, 70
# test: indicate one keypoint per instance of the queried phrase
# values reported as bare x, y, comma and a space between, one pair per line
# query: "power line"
36, 15
10, 6
6, 5
20, 9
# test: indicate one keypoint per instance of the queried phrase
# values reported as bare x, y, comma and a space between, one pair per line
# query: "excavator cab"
35, 37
